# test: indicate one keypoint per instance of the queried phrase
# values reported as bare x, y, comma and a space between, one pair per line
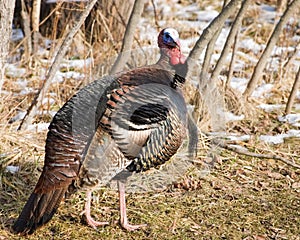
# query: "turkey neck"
179, 70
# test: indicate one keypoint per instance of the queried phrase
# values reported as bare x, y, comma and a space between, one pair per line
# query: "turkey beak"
177, 44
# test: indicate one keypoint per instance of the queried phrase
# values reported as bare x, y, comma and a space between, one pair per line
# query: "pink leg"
91, 222
123, 214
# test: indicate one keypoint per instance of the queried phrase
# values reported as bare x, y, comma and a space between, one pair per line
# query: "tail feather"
38, 210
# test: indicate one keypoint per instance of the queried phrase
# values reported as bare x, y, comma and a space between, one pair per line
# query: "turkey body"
129, 122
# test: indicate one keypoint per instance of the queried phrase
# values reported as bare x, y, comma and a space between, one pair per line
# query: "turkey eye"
167, 38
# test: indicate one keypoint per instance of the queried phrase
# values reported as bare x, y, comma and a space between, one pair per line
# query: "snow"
13, 71
17, 35
239, 84
48, 101
207, 15
19, 116
279, 138
230, 117
293, 119
238, 138
76, 63
270, 107
250, 45
12, 169
39, 127
262, 89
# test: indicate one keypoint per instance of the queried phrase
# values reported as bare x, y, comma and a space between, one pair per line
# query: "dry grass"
241, 197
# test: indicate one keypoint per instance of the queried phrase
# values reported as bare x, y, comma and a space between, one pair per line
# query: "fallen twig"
252, 154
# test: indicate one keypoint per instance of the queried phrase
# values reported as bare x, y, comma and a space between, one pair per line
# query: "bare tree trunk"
294, 6
293, 93
6, 16
128, 37
206, 87
35, 21
27, 31
55, 65
211, 29
231, 65
229, 41
209, 93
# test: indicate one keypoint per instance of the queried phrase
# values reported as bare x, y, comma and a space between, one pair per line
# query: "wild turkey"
129, 122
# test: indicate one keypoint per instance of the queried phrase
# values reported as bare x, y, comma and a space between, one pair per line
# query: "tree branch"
6, 17
55, 65
209, 32
128, 37
293, 93
294, 6
230, 39
257, 155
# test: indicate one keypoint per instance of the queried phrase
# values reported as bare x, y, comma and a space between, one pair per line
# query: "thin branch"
211, 29
27, 31
106, 28
129, 36
55, 65
292, 57
233, 57
35, 20
293, 93
294, 6
230, 39
257, 155
6, 17
155, 15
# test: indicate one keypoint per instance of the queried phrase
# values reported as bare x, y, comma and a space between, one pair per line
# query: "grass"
241, 198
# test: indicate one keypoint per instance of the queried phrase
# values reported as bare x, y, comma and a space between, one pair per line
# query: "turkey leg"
91, 222
123, 214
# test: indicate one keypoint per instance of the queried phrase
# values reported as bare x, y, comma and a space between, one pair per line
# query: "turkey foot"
91, 222
123, 215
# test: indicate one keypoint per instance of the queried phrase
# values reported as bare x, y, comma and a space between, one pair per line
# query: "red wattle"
176, 57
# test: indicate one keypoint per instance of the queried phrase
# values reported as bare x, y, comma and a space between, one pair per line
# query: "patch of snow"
47, 112
14, 72
72, 74
19, 116
16, 35
277, 139
270, 107
230, 117
250, 45
262, 89
39, 127
293, 133
27, 90
12, 169
267, 13
293, 119
280, 50
207, 15
238, 138
47, 101
239, 147
58, 78
222, 38
267, 8
22, 83
76, 63
239, 84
